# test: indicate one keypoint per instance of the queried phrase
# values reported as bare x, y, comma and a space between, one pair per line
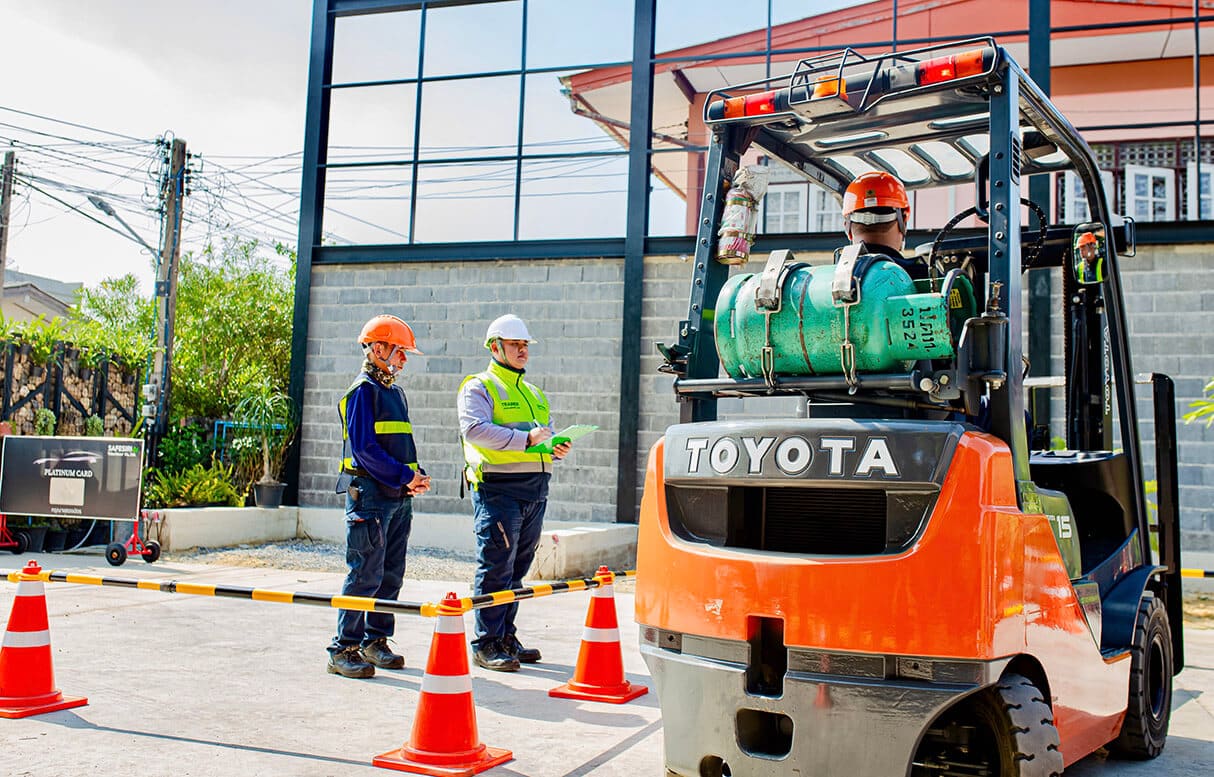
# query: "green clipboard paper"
568, 434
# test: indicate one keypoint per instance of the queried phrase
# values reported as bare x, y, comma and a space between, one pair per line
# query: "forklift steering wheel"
1027, 260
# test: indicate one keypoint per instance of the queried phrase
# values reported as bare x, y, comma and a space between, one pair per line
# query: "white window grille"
785, 209
1150, 193
1200, 191
1075, 203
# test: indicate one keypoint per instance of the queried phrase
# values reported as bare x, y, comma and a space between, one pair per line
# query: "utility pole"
6, 196
156, 392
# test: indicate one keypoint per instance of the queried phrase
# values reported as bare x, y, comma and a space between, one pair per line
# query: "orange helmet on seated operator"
391, 330
876, 198
1087, 238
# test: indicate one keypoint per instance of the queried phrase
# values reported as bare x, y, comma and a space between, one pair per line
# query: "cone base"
62, 703
398, 760
618, 694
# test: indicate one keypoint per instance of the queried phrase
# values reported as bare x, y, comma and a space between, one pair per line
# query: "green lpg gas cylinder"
890, 325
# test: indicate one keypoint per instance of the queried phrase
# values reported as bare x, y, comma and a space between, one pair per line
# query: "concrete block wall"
573, 307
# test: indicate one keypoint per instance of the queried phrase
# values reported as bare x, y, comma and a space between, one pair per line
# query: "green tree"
232, 330
233, 327
115, 315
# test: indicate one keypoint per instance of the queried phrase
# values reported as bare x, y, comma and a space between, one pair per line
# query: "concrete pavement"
198, 686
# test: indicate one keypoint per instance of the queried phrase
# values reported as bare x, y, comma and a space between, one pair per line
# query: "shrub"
182, 447
196, 486
44, 422
94, 426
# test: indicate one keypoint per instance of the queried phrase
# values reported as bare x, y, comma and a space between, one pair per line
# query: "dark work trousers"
507, 534
377, 538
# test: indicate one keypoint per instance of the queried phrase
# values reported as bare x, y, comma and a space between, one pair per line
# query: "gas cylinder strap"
847, 351
768, 357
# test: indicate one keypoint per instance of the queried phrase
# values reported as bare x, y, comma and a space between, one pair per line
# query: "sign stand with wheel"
116, 552
75, 477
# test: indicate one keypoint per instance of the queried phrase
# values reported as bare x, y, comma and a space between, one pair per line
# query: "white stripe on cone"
602, 592
446, 684
600, 635
27, 639
449, 624
30, 588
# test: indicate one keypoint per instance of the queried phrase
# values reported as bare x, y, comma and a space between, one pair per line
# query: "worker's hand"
420, 484
559, 451
538, 435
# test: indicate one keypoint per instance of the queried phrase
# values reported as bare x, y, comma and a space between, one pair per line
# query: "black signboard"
71, 477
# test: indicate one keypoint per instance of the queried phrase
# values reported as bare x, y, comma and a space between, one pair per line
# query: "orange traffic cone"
27, 679
599, 674
444, 739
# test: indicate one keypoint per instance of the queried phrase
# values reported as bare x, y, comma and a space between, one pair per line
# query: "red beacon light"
761, 104
951, 67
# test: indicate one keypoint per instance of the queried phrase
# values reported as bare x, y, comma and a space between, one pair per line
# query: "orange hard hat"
390, 330
875, 190
1085, 238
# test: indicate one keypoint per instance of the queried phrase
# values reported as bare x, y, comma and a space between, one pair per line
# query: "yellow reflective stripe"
196, 588
354, 603
577, 585
503, 597
76, 577
393, 427
148, 585
413, 466
542, 590
281, 597
348, 462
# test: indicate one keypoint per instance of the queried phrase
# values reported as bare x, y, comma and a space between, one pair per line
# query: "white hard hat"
507, 327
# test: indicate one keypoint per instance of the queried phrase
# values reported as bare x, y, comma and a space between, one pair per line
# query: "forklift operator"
875, 213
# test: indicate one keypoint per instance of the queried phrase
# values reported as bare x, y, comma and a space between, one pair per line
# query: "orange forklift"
909, 574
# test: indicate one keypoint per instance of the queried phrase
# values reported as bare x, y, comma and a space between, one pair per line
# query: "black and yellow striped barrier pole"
1197, 573
363, 603
536, 591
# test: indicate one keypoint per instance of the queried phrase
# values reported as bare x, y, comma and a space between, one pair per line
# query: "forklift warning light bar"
886, 79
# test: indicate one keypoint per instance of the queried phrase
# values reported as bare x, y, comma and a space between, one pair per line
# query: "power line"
72, 124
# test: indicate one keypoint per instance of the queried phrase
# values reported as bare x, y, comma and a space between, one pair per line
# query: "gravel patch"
309, 555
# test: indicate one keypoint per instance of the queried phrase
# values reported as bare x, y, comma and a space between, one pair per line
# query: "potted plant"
269, 418
94, 426
44, 422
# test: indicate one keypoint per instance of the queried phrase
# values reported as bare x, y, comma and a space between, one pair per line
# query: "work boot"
376, 652
348, 662
524, 655
491, 655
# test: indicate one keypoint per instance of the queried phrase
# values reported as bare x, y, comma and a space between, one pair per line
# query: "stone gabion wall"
49, 385
573, 308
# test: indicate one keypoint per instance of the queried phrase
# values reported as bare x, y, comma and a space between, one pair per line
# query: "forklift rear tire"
153, 552
23, 543
1149, 708
1008, 730
115, 553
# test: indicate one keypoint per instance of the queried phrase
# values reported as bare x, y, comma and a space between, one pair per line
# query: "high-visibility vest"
393, 431
517, 404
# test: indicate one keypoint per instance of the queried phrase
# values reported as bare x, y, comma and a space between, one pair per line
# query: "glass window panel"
1140, 186
550, 124
477, 38
681, 176
905, 166
465, 202
1205, 184
578, 32
574, 198
1141, 210
375, 47
680, 23
1159, 188
950, 160
827, 211
372, 123
366, 205
473, 117
1159, 211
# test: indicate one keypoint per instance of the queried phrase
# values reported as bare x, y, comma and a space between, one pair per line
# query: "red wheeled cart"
116, 552
16, 543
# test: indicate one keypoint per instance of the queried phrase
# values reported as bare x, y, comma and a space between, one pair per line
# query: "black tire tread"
1031, 724
1135, 741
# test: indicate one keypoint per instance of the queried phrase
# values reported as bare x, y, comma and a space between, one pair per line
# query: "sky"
227, 76
90, 86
